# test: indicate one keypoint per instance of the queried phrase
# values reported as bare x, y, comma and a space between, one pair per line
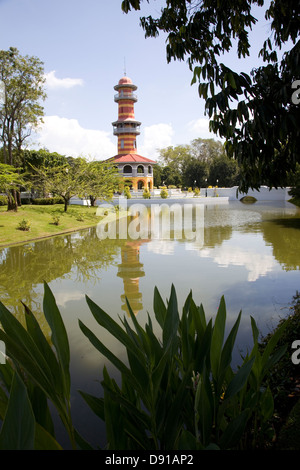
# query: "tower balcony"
126, 130
125, 96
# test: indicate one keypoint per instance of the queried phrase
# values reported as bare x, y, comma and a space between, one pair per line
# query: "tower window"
122, 143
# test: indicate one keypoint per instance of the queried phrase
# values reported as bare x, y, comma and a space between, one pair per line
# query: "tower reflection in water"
131, 270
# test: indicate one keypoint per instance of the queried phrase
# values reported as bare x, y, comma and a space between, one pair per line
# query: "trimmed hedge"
47, 201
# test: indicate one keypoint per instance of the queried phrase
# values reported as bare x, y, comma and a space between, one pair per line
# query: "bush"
55, 219
164, 194
196, 192
24, 225
3, 201
25, 201
47, 201
146, 194
178, 389
127, 193
248, 200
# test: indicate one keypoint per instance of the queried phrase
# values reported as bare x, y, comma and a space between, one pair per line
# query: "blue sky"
83, 45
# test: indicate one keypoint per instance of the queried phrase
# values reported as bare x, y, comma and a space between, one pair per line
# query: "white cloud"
67, 137
199, 128
156, 137
256, 264
62, 298
53, 82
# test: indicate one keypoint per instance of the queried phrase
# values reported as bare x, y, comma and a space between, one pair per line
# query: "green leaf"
159, 308
234, 431
267, 404
18, 429
21, 346
172, 320
218, 338
58, 334
226, 355
20, 356
111, 326
275, 337
96, 404
110, 356
44, 347
204, 406
44, 440
239, 379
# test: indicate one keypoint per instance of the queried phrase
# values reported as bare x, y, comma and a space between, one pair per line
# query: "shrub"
55, 219
178, 389
24, 225
196, 192
248, 200
46, 201
3, 200
127, 193
164, 194
25, 201
146, 194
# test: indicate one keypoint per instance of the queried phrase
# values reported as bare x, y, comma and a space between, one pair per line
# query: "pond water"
249, 253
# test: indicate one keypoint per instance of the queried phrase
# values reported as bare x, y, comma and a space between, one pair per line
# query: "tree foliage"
11, 182
21, 111
201, 163
254, 112
68, 177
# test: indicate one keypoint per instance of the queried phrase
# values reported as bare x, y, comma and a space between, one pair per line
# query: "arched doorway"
141, 184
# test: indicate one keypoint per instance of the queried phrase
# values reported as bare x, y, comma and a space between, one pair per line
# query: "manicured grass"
41, 221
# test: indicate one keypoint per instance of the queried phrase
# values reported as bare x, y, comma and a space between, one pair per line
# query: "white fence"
212, 194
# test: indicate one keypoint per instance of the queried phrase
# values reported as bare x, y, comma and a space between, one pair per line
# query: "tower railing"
125, 96
126, 130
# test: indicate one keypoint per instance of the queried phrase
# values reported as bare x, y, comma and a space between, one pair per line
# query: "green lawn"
41, 221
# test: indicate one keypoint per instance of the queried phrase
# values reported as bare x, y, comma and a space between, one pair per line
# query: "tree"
223, 171
10, 182
21, 111
206, 149
66, 180
195, 173
101, 179
173, 160
257, 114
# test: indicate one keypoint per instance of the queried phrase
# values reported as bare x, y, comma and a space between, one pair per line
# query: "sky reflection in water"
250, 254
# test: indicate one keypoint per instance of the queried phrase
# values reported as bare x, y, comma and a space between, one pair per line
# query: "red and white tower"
126, 127
133, 167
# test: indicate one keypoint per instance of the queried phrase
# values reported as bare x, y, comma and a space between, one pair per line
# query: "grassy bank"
295, 200
43, 221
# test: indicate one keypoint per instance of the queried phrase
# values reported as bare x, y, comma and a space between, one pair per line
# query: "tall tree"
21, 111
258, 113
